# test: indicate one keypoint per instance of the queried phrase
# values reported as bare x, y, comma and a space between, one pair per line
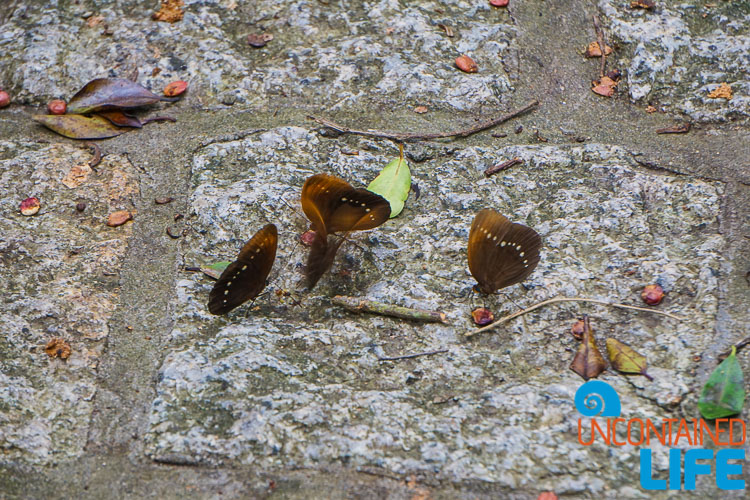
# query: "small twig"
502, 166
159, 119
410, 356
739, 345
97, 154
602, 44
682, 128
505, 319
399, 136
364, 305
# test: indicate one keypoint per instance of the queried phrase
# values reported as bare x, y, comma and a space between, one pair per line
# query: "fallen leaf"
170, 11
650, 109
682, 128
577, 329
79, 126
624, 359
214, 270
393, 184
121, 119
547, 495
164, 201
119, 218
57, 348
593, 50
642, 4
94, 21
723, 91
420, 109
76, 176
604, 87
466, 64
588, 362
112, 93
448, 30
499, 3
259, 40
724, 392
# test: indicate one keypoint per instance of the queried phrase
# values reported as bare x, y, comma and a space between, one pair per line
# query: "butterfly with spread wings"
334, 206
501, 253
245, 278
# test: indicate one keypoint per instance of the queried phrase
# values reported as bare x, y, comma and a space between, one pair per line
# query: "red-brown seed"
547, 495
307, 237
482, 316
652, 294
466, 64
119, 218
30, 206
260, 40
577, 329
57, 107
499, 3
4, 99
175, 88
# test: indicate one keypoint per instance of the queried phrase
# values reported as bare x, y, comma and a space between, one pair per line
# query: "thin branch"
410, 356
602, 44
739, 346
402, 136
363, 305
503, 166
505, 319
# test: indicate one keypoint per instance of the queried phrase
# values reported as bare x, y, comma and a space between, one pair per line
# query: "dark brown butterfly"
501, 253
333, 205
246, 277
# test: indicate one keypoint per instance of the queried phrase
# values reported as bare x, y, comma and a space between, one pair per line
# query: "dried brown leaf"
588, 362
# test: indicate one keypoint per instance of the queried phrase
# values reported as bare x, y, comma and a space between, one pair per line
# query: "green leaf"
215, 270
393, 184
724, 392
625, 359
112, 93
80, 127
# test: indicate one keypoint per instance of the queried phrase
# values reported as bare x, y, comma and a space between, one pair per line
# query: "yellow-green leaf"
393, 184
80, 127
626, 360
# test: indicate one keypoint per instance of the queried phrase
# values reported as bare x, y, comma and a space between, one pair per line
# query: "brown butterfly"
246, 277
501, 253
333, 205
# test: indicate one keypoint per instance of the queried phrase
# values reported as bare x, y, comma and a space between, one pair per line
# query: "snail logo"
597, 399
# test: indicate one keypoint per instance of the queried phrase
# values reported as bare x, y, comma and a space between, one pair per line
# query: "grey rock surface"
287, 397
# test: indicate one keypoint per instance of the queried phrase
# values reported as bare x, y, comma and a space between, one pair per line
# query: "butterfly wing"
246, 277
333, 205
501, 253
320, 259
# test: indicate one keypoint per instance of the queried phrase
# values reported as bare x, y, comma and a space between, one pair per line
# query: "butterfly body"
501, 253
245, 278
334, 206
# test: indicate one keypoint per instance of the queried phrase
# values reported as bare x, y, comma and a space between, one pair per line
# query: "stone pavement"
160, 399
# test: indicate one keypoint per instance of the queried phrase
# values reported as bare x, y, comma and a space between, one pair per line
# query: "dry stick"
399, 136
505, 319
502, 166
677, 129
739, 345
363, 305
601, 41
97, 154
410, 356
